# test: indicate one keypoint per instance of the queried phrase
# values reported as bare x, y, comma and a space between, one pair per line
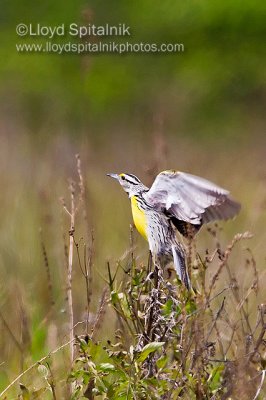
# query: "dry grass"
223, 323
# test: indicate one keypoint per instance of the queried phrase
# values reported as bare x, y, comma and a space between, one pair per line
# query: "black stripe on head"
134, 177
134, 180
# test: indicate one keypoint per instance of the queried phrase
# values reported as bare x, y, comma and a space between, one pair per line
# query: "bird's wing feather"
191, 198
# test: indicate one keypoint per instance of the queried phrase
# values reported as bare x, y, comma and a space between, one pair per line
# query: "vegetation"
170, 344
162, 342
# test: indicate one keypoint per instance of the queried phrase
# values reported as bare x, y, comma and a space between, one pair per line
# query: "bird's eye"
123, 177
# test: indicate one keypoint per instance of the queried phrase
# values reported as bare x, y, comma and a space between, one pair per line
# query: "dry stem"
69, 273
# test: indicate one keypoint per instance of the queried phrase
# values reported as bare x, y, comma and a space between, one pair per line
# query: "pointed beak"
115, 176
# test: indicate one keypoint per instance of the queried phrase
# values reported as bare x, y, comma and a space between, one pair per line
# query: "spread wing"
190, 198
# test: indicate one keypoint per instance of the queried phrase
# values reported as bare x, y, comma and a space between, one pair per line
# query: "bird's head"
130, 183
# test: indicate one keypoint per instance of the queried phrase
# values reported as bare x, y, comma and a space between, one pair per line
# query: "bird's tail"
180, 265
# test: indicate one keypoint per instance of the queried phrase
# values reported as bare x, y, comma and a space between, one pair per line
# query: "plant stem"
69, 274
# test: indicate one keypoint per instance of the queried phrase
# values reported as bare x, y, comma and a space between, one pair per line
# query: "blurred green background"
202, 111
215, 88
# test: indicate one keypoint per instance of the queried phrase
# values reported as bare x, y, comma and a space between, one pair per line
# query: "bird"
176, 201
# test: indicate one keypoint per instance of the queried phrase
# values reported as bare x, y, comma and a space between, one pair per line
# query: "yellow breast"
139, 217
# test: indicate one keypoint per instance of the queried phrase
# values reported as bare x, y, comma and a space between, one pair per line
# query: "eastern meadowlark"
175, 200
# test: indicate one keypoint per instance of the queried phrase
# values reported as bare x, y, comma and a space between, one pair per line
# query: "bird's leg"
156, 273
150, 272
150, 262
